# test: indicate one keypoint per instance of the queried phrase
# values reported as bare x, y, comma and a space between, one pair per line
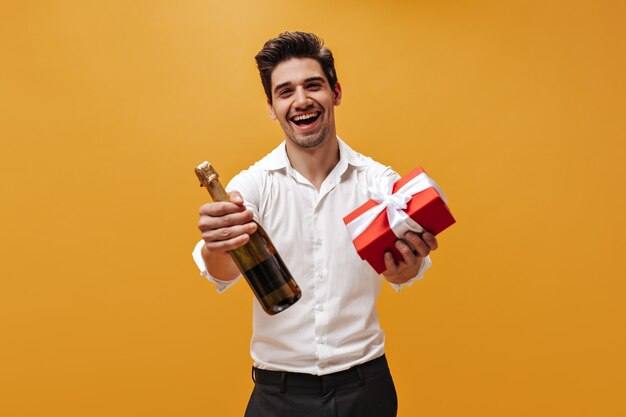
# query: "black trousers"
366, 390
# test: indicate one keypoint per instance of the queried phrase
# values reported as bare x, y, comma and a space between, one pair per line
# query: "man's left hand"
413, 248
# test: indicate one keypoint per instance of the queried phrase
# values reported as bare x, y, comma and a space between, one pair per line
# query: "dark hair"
294, 45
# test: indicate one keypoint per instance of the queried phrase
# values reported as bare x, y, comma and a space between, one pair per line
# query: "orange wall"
515, 108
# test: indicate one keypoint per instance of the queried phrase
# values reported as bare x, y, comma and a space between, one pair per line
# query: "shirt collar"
277, 159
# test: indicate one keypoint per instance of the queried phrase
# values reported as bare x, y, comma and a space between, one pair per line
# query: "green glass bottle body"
257, 260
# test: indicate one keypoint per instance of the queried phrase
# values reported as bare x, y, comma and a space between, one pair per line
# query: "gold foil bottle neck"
206, 174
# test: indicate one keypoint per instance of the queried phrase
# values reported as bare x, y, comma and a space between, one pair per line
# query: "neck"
314, 164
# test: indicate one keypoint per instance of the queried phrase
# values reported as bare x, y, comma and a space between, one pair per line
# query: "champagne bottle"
258, 260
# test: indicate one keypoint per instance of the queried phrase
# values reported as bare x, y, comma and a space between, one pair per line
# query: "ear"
270, 109
337, 93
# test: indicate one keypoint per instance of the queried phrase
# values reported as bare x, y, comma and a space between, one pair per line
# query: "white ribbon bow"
395, 203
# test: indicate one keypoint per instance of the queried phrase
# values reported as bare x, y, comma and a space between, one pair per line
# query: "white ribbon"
395, 203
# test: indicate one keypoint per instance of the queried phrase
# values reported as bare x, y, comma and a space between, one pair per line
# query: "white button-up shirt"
334, 326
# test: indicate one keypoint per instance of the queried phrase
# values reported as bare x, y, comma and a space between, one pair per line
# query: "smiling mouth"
306, 119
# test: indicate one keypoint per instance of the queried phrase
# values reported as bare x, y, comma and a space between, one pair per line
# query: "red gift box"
426, 207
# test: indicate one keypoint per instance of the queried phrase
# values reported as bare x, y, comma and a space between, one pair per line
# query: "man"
323, 356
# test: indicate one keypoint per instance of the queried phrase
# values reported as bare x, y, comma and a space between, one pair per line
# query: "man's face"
303, 102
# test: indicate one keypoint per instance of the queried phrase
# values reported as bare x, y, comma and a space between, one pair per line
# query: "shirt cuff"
220, 285
426, 263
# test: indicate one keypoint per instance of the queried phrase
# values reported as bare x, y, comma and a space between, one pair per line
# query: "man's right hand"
226, 225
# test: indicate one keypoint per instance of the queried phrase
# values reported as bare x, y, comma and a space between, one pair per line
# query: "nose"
300, 98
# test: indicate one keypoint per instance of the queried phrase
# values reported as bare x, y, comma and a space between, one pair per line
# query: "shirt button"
323, 340
321, 275
320, 307
323, 364
317, 242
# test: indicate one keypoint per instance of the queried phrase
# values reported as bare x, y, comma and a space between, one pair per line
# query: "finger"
390, 264
236, 197
207, 222
421, 248
226, 245
430, 240
227, 233
407, 253
220, 208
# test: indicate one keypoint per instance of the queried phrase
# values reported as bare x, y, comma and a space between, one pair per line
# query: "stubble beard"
315, 139
309, 141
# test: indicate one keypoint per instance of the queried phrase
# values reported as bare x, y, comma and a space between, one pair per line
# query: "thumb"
236, 198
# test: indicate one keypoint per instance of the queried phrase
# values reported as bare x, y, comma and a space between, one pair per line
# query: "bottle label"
268, 276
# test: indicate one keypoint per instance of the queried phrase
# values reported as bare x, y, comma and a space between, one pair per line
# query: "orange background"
515, 108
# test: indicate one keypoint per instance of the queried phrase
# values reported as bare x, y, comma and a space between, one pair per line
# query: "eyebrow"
281, 85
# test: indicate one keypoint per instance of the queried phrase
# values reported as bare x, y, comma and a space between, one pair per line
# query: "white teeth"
304, 117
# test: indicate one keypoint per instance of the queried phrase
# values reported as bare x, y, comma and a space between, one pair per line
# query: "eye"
285, 93
314, 86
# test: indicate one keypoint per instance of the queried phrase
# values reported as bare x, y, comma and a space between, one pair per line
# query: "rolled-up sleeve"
220, 285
